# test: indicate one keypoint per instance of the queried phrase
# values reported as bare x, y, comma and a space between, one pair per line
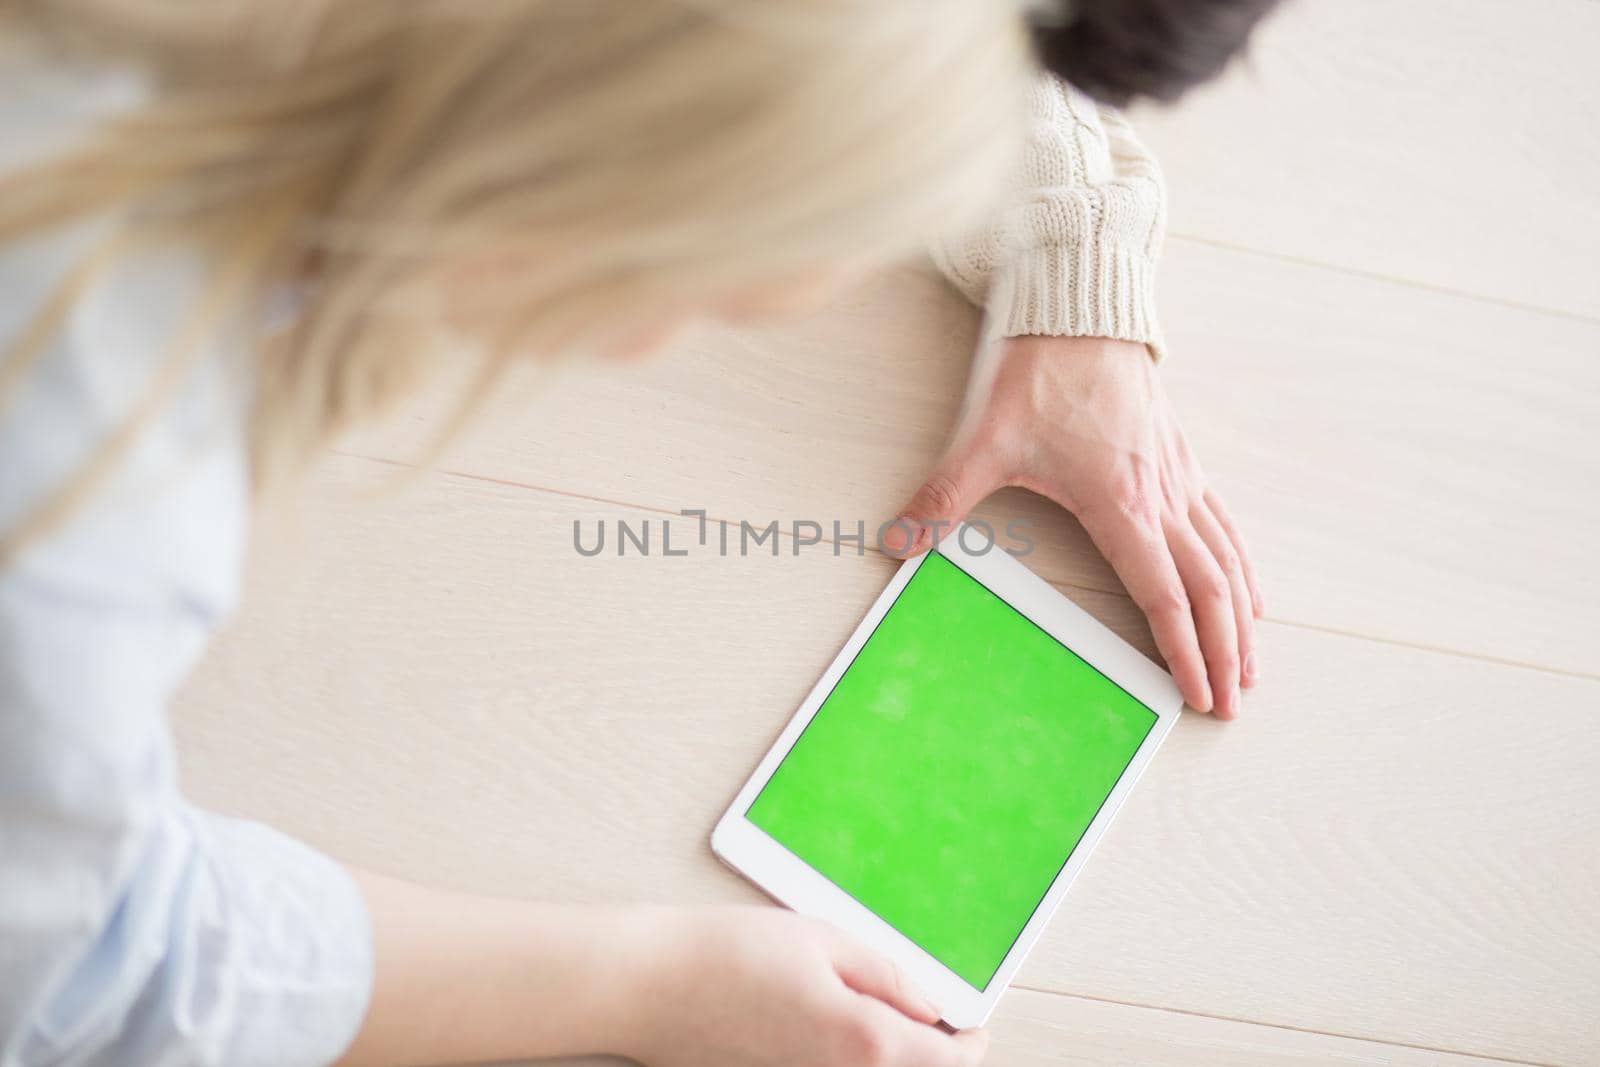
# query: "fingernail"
1250, 667
1221, 702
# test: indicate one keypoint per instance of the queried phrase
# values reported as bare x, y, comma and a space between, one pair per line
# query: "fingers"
1137, 550
962, 479
891, 1021
1211, 601
1257, 605
878, 1036
876, 976
1221, 548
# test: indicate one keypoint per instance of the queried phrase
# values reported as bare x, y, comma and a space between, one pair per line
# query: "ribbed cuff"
1084, 289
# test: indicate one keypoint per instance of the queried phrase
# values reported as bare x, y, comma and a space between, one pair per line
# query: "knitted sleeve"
1073, 252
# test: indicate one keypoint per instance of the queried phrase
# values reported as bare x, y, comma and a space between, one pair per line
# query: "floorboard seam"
1289, 1026
1391, 279
1418, 646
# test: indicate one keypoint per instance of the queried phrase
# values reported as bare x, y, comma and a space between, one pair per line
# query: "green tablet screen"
948, 776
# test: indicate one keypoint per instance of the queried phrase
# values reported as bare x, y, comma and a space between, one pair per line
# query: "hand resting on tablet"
1086, 422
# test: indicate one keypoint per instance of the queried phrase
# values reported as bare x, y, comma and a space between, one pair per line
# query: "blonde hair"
514, 175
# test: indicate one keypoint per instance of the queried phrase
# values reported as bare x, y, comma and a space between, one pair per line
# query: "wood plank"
1034, 1029
1433, 140
1393, 844
1410, 465
1415, 466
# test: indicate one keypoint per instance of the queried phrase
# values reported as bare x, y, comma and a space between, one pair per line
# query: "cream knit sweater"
1073, 252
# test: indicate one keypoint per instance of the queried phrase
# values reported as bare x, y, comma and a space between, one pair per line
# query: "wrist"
646, 965
576, 981
1048, 346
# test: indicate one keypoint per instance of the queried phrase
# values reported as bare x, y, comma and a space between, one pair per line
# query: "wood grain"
1034, 1029
1409, 465
1447, 142
1392, 844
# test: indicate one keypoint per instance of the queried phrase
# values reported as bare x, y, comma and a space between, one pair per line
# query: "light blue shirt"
134, 928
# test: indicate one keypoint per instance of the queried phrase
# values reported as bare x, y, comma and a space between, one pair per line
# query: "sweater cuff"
1083, 289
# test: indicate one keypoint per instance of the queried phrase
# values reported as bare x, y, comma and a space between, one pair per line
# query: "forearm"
466, 979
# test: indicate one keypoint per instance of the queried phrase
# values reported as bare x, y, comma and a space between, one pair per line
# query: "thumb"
958, 484
876, 976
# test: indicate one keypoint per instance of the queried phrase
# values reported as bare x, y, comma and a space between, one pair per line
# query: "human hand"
762, 987
1085, 421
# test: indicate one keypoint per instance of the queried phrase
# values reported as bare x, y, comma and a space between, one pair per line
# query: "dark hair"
1122, 50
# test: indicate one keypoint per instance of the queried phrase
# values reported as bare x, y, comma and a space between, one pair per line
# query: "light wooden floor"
1383, 293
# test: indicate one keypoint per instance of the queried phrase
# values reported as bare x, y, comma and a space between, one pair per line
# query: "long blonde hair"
514, 175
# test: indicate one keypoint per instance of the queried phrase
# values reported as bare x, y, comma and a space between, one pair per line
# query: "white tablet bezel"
788, 879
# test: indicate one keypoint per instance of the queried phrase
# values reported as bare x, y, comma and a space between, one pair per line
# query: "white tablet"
947, 777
